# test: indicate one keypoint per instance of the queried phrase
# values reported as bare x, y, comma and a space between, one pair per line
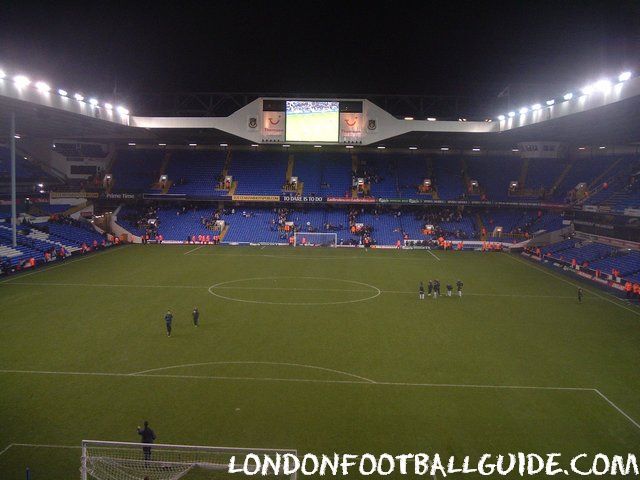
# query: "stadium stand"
259, 173
135, 170
195, 173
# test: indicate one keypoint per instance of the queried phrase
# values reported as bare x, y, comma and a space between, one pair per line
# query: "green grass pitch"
320, 350
313, 127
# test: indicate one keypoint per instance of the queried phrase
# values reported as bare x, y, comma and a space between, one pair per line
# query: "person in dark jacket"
147, 436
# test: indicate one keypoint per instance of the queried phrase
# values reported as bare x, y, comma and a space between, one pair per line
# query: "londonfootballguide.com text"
422, 464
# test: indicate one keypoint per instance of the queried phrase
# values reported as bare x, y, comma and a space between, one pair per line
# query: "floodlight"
431, 119
79, 97
62, 92
224, 144
122, 110
108, 106
568, 96
501, 117
413, 148
43, 87
536, 106
408, 118
588, 90
349, 146
623, 77
511, 114
132, 144
550, 102
193, 144
523, 110
2, 74
93, 102
444, 149
21, 81
381, 147
604, 85
475, 149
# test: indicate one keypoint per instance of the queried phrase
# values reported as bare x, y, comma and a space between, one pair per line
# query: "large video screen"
312, 121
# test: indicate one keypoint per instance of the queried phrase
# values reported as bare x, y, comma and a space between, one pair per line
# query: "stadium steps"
163, 169
597, 182
225, 171
165, 163
76, 208
227, 164
224, 232
480, 225
465, 174
560, 179
290, 164
522, 179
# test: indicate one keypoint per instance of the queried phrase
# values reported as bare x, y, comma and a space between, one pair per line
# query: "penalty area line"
344, 382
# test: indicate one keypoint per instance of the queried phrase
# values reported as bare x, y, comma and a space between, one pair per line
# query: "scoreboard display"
312, 121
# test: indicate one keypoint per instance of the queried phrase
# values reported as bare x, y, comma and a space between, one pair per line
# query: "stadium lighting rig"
22, 81
602, 86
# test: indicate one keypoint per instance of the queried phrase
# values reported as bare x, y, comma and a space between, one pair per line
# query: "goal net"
309, 239
103, 460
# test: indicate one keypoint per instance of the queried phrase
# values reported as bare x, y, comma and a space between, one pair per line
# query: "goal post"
315, 239
106, 460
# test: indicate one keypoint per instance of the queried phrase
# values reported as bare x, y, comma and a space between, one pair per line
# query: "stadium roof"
610, 119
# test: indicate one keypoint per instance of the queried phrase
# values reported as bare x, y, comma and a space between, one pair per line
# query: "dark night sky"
342, 47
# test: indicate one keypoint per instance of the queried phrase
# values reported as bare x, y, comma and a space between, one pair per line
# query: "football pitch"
318, 350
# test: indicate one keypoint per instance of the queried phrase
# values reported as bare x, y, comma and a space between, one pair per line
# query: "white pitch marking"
635, 312
349, 382
395, 292
617, 408
103, 285
314, 367
310, 257
193, 250
46, 268
37, 445
433, 255
268, 379
296, 289
375, 290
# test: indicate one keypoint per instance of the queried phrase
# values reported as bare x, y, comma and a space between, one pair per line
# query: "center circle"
311, 286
